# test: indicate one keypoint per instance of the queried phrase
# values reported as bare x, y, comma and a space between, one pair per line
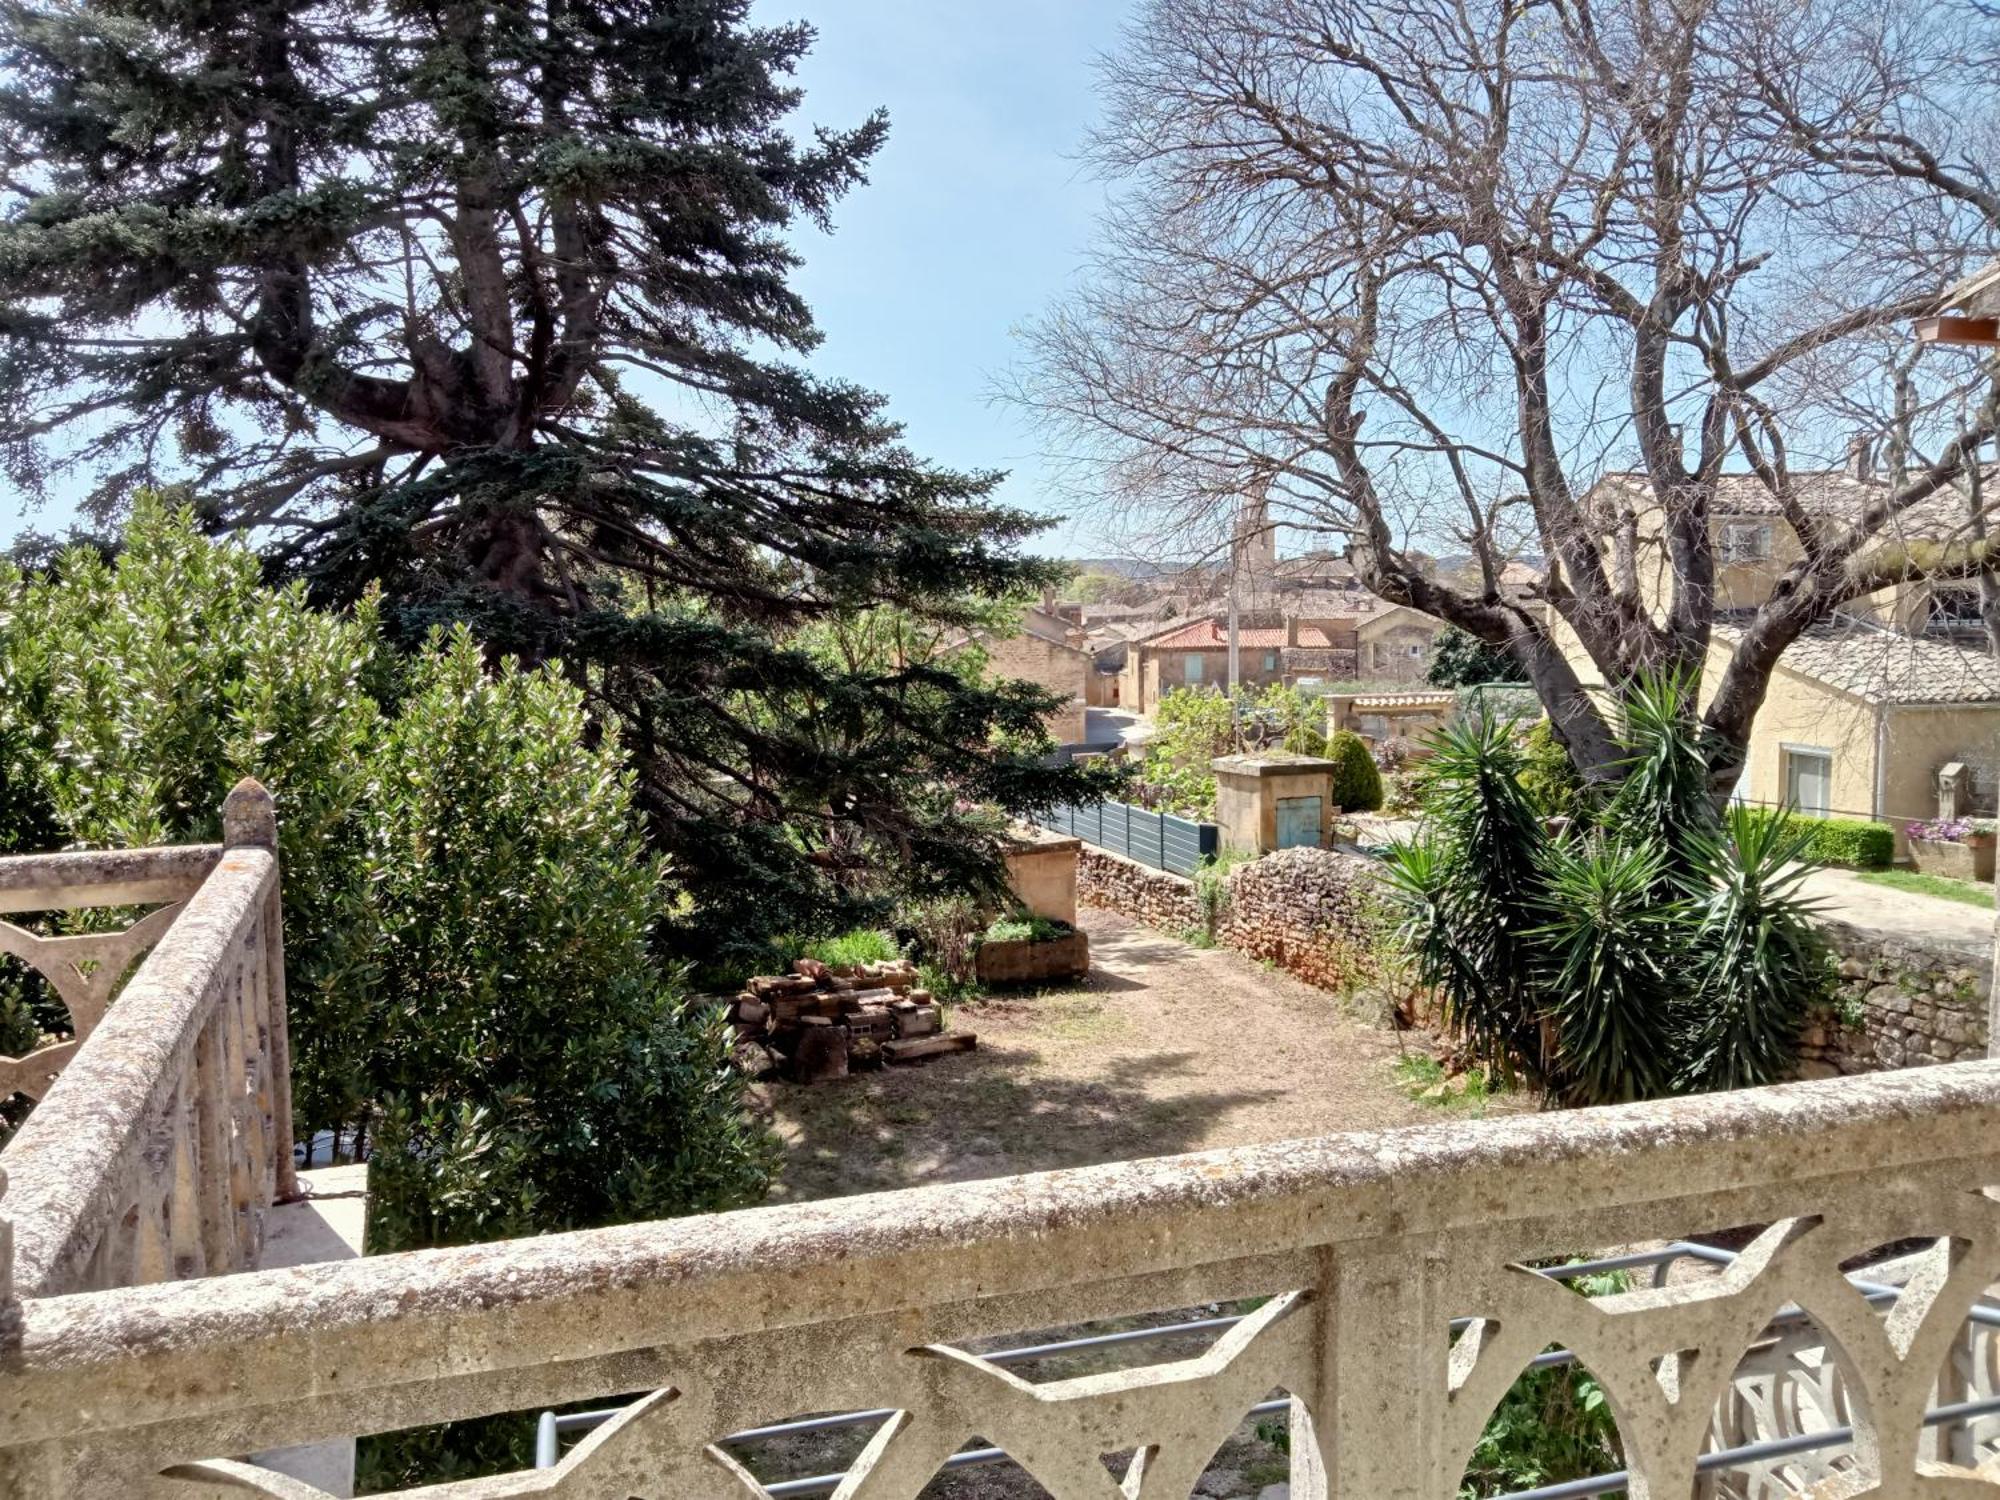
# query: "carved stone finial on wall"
249, 817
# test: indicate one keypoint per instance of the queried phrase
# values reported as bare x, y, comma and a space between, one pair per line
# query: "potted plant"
1958, 848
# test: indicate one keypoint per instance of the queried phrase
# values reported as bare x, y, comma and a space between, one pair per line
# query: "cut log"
810, 968
750, 1013
916, 1048
752, 1060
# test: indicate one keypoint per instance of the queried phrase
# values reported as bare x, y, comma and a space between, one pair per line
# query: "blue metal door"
1298, 822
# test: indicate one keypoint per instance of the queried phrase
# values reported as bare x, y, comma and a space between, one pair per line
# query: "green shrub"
1357, 782
1851, 842
862, 945
467, 903
146, 686
1548, 776
1025, 927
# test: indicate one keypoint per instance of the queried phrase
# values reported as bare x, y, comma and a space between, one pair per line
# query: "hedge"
1852, 842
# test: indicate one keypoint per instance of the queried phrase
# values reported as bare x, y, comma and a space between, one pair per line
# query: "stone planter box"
1971, 860
1028, 962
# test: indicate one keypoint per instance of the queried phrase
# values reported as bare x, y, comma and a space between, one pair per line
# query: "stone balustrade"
163, 1129
1352, 1256
1381, 1282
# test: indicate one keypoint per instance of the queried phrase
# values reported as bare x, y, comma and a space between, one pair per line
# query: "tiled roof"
1884, 666
1829, 494
1210, 635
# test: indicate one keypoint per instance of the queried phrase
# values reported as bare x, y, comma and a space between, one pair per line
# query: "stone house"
1049, 651
1864, 710
1315, 637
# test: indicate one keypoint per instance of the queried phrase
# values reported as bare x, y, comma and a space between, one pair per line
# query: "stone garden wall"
1309, 911
1901, 1003
1156, 897
1305, 910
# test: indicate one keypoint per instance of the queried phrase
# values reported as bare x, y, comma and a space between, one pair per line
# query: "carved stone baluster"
184, 1195
243, 1208
250, 820
6, 1249
1377, 1414
211, 1155
257, 1031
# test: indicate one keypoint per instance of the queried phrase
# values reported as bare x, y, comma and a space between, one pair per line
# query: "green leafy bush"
1025, 927
862, 945
1357, 781
1548, 775
1851, 842
140, 689
467, 903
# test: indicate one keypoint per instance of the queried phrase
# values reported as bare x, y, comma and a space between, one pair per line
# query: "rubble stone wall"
1312, 912
1309, 911
1901, 1003
1158, 898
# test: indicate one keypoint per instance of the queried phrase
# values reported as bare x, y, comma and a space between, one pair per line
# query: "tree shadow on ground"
988, 1113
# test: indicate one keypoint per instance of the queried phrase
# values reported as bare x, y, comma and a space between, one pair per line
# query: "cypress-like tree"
487, 304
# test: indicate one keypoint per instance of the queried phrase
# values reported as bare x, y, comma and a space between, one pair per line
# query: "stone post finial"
249, 817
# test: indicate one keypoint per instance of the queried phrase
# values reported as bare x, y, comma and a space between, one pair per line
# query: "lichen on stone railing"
162, 1131
1352, 1259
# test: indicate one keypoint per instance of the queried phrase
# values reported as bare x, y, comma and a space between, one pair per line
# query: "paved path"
1893, 913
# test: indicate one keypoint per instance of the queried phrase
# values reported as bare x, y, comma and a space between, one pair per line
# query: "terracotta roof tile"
1884, 666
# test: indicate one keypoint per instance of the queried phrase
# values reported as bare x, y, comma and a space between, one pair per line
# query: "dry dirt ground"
1165, 1048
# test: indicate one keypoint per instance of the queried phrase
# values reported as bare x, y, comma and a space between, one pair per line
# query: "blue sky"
976, 215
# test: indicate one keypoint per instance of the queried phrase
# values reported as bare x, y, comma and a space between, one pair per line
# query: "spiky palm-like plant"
1761, 963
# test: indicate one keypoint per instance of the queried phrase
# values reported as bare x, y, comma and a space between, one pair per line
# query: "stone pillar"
1267, 802
1954, 789
1041, 872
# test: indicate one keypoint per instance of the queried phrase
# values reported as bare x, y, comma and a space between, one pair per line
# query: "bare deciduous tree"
1441, 272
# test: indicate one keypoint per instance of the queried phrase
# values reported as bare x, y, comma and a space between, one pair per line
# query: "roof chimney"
1861, 456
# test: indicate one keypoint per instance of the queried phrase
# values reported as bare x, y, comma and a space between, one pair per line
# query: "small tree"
138, 689
536, 1069
1357, 781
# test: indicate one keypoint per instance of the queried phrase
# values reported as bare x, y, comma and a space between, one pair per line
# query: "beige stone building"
1325, 636
1864, 710
1050, 652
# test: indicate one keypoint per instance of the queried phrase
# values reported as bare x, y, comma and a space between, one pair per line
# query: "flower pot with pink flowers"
1957, 848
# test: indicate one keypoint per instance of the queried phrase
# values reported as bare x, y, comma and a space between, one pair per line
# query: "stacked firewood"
817, 1022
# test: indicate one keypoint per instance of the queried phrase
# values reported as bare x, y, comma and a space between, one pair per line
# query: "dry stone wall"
1901, 1003
1309, 911
1156, 897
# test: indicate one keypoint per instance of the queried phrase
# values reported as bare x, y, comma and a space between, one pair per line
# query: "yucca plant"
1607, 954
1761, 965
1470, 889
1652, 948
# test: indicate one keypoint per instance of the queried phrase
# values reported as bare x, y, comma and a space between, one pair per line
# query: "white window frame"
1733, 549
1788, 754
1270, 661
